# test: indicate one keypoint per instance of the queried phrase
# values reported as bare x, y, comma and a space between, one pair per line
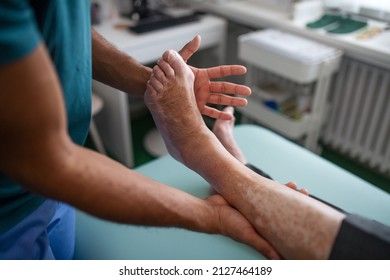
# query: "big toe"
175, 60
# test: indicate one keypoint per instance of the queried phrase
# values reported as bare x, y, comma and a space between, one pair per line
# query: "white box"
287, 55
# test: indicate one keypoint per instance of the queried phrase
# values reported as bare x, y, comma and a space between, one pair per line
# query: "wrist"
139, 78
202, 217
131, 76
210, 222
116, 68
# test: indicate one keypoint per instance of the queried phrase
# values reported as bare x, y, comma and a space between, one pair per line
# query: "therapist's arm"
117, 69
36, 151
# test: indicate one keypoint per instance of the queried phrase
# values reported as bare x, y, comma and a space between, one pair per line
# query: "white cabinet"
285, 70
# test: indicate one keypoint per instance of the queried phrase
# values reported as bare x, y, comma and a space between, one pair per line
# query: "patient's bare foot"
223, 129
171, 100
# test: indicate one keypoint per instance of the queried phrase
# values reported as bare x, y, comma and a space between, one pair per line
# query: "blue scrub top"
64, 27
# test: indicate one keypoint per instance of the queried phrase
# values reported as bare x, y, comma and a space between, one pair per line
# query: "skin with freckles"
298, 226
223, 130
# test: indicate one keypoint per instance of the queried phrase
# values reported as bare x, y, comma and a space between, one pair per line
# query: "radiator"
358, 123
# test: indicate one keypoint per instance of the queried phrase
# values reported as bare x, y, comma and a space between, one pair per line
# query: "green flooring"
140, 127
358, 169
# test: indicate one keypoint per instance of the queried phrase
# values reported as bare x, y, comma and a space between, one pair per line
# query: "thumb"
190, 48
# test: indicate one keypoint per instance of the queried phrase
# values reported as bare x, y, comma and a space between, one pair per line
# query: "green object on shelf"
347, 25
324, 21
337, 24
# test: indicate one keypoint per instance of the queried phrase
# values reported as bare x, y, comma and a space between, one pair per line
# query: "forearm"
117, 69
37, 152
297, 225
104, 188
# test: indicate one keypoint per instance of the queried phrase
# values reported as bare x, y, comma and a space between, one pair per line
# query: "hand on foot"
171, 100
215, 92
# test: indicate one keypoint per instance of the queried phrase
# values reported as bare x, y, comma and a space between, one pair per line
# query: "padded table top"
282, 159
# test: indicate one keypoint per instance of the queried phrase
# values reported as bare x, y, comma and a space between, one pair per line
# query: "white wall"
354, 5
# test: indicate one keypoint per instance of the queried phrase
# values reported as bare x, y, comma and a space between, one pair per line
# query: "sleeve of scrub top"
18, 30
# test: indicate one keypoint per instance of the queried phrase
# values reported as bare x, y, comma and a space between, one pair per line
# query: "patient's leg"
297, 226
223, 129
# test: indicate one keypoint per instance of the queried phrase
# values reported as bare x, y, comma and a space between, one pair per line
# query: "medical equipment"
303, 66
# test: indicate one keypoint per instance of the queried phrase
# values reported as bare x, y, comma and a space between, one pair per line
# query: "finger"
304, 191
216, 114
166, 68
261, 245
225, 70
292, 185
190, 48
229, 88
221, 99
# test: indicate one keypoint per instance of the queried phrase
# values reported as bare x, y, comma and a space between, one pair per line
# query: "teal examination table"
282, 159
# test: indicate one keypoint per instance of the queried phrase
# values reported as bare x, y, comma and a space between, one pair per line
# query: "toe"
175, 61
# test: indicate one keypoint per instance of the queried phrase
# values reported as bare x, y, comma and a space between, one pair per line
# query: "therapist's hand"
294, 186
212, 92
234, 225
